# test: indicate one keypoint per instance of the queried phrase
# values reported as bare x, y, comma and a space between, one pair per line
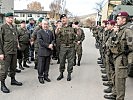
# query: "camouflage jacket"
9, 39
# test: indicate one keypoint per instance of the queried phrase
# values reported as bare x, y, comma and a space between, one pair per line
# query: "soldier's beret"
9, 14
112, 22
124, 14
63, 15
40, 19
105, 21
23, 21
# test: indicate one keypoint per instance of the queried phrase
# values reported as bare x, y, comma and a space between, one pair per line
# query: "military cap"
31, 19
23, 21
112, 22
63, 15
9, 14
124, 14
40, 19
76, 23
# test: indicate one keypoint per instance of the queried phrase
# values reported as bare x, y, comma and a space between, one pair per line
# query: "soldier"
8, 52
31, 27
108, 55
80, 36
23, 37
121, 48
34, 39
67, 38
57, 41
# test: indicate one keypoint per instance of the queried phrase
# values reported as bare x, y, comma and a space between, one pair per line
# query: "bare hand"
1, 57
50, 46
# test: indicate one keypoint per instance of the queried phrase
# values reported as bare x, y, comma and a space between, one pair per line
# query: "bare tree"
98, 8
35, 6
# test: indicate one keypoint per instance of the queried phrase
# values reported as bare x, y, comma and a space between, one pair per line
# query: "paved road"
86, 81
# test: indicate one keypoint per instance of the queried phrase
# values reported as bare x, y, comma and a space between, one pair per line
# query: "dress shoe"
60, 76
108, 90
41, 80
14, 82
105, 79
18, 71
4, 89
111, 96
47, 79
69, 77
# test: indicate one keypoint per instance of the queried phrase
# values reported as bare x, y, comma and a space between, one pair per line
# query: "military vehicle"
126, 5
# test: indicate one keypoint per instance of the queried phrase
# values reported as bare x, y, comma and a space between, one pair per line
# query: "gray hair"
45, 20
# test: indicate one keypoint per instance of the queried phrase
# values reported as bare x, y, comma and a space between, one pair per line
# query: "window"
29, 15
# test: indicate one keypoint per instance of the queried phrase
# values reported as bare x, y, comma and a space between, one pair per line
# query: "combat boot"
108, 84
14, 82
20, 64
111, 97
78, 63
60, 76
25, 65
69, 77
104, 76
4, 89
108, 90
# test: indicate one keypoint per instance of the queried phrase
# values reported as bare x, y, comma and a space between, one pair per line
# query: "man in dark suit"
46, 41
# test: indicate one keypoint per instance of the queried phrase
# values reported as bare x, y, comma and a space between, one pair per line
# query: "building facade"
5, 6
27, 14
108, 8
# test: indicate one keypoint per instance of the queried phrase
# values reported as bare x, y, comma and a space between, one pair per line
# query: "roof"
29, 11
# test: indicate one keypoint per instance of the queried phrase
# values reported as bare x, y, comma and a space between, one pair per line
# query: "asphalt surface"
86, 81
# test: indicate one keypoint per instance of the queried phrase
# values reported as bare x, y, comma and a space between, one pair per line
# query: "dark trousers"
9, 63
43, 66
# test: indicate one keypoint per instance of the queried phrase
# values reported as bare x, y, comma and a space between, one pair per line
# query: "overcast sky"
77, 7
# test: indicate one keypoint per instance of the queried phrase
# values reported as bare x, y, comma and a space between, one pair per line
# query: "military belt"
67, 45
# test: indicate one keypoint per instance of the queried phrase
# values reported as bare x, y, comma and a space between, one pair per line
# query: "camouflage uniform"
23, 38
80, 36
8, 38
67, 38
122, 44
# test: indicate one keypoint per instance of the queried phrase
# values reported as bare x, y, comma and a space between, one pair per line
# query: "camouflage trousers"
78, 52
8, 64
66, 53
120, 77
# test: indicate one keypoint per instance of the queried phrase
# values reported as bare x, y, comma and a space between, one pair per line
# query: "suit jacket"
44, 39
